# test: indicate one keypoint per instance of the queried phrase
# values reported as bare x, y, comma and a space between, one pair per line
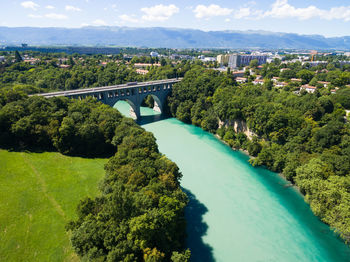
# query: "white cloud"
99, 22
282, 9
227, 20
128, 18
30, 5
56, 16
34, 16
49, 7
159, 12
342, 12
72, 8
203, 11
242, 13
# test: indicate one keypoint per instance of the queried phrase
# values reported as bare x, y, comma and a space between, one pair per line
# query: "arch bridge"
134, 93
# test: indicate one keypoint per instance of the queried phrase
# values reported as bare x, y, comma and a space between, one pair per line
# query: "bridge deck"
109, 88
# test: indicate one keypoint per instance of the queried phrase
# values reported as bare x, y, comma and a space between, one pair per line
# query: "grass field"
39, 193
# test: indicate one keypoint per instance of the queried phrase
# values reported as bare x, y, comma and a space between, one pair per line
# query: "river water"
237, 212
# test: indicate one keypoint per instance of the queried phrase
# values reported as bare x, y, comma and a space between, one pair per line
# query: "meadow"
39, 193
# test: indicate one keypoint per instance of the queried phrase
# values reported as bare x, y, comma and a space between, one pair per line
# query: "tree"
18, 57
305, 75
254, 63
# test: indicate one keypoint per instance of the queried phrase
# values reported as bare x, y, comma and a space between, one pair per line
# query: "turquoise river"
237, 212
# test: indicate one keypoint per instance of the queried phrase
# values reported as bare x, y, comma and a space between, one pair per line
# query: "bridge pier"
157, 108
135, 112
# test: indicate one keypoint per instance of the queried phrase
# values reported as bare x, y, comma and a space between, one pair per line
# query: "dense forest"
139, 215
305, 136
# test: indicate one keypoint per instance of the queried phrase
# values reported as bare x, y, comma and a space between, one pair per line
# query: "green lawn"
39, 193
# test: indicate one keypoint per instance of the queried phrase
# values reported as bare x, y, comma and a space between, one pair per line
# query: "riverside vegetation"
139, 214
306, 137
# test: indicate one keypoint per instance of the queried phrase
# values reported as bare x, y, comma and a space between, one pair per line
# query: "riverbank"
237, 211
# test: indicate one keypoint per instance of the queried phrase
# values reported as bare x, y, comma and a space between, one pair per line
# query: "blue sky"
325, 17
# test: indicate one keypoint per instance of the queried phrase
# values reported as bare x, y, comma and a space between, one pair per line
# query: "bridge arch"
158, 101
134, 107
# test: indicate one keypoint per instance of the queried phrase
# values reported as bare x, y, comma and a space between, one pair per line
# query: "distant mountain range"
167, 37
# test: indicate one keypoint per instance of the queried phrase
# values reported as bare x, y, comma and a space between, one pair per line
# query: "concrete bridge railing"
134, 93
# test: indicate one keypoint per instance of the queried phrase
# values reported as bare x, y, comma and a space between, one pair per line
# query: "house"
258, 82
2, 58
142, 71
284, 69
258, 77
295, 80
308, 88
275, 79
31, 61
281, 84
154, 54
238, 74
241, 79
325, 84
64, 66
144, 65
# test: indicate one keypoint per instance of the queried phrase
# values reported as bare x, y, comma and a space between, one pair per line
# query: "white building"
154, 54
308, 88
241, 80
258, 82
209, 59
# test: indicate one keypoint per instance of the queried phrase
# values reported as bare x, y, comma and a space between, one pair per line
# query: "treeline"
304, 136
72, 127
139, 215
54, 72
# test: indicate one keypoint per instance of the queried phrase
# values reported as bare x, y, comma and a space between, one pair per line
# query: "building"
142, 71
222, 59
244, 60
238, 74
144, 65
154, 54
308, 88
64, 66
325, 84
2, 58
238, 60
281, 84
233, 61
315, 63
284, 69
209, 59
241, 80
258, 82
275, 79
31, 61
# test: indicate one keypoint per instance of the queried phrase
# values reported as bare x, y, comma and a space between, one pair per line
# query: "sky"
324, 17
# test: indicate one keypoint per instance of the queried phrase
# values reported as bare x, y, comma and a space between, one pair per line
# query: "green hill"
39, 193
